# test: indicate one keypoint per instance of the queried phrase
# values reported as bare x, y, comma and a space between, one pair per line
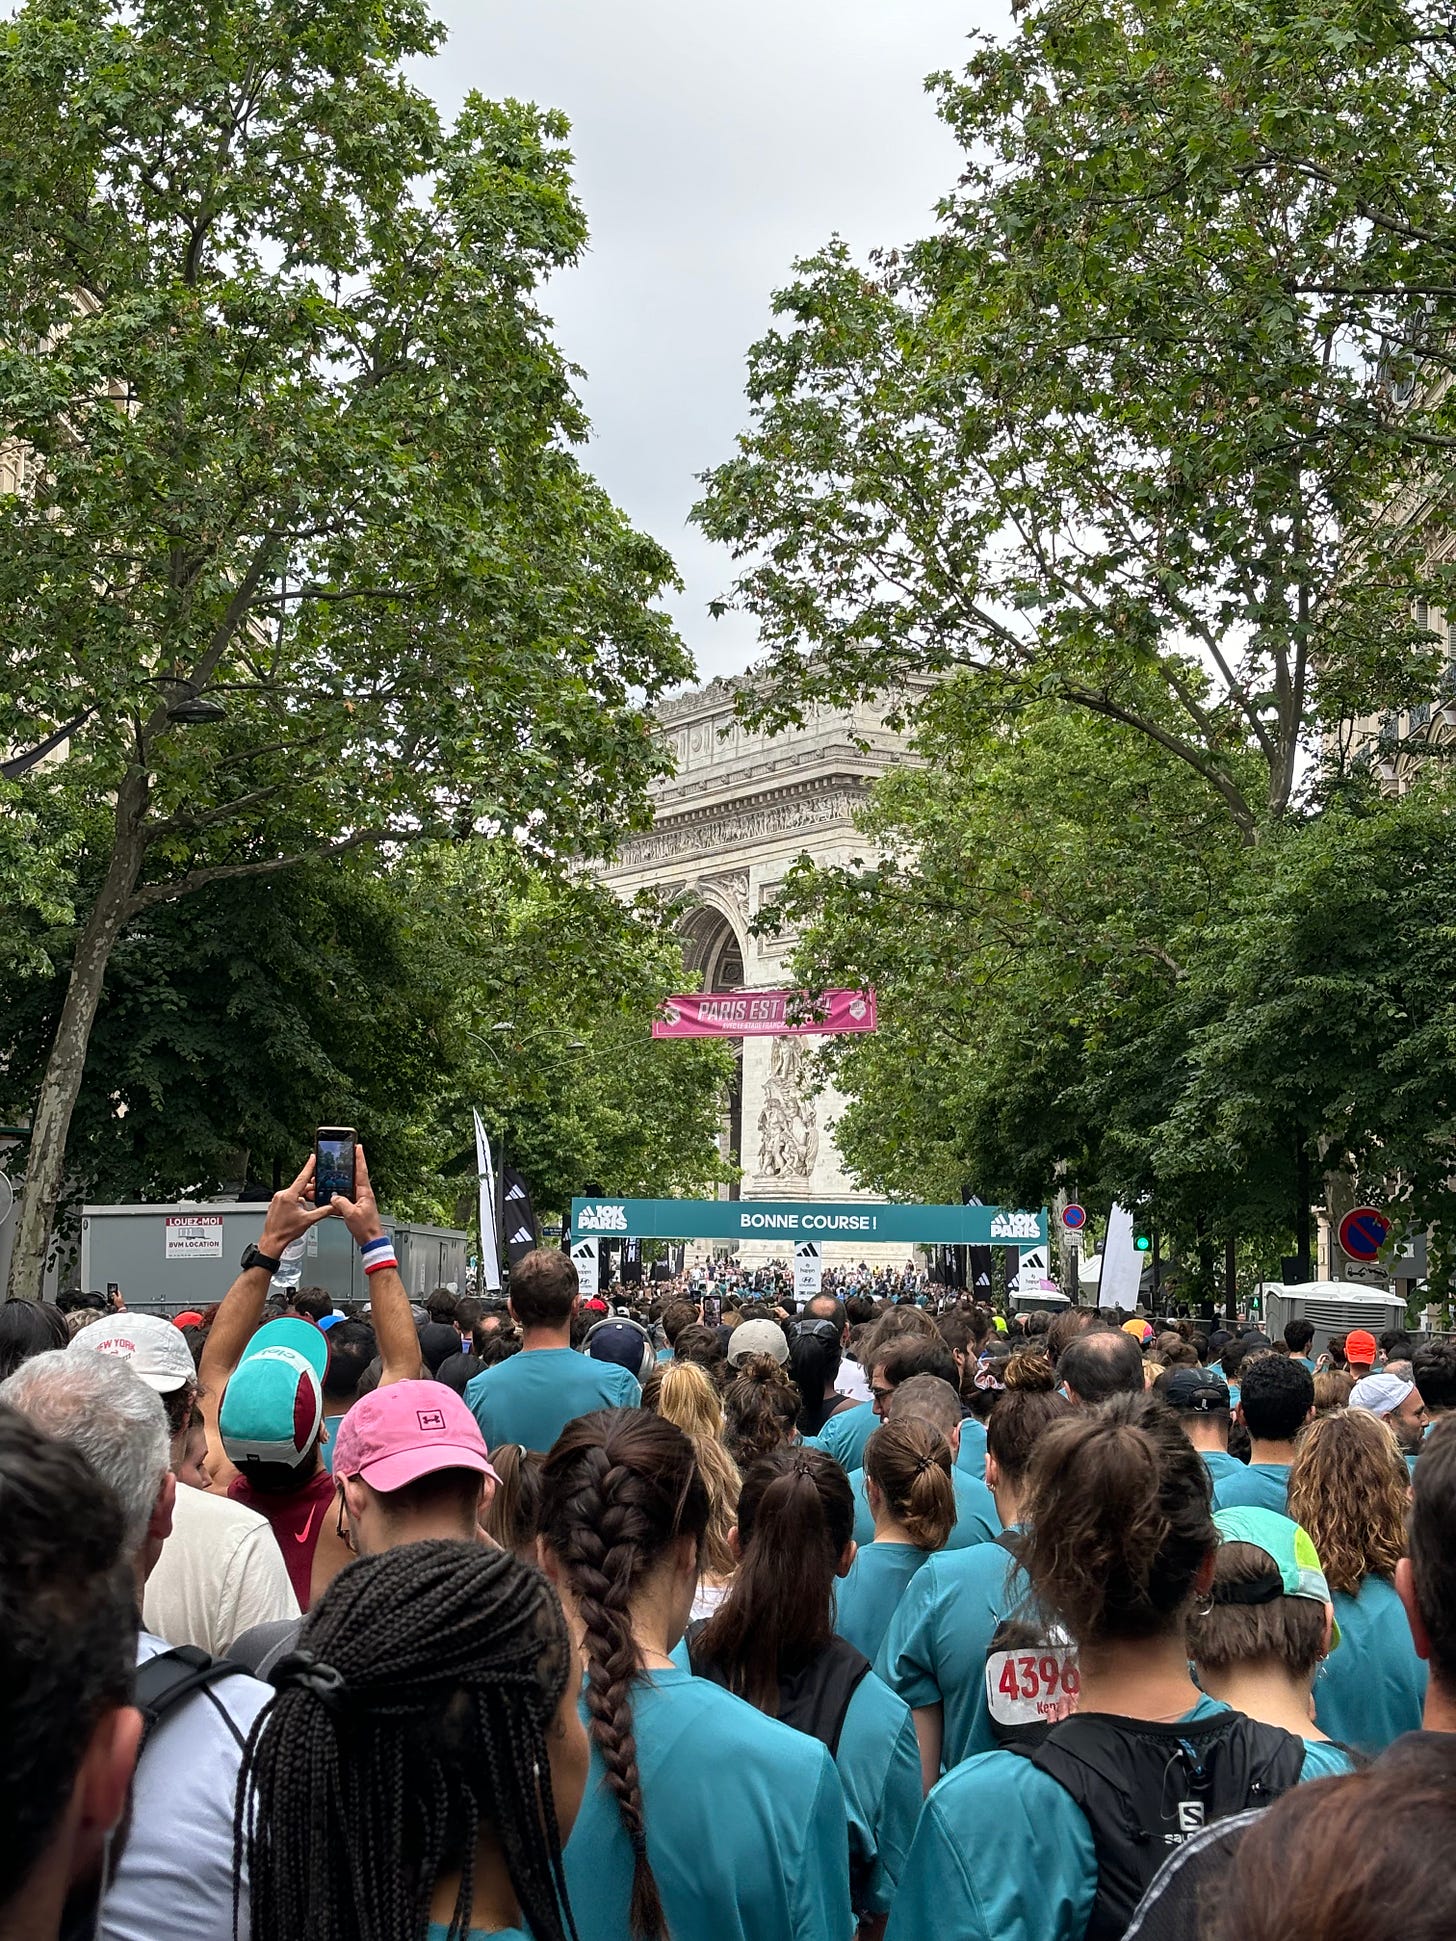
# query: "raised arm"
389, 1306
290, 1213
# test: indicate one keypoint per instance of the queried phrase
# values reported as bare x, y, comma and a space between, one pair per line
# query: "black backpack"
814, 1700
1145, 1788
165, 1681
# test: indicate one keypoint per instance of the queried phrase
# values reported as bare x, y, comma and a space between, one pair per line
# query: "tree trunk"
45, 1165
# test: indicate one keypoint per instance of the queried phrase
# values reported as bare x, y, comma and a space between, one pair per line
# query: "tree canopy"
1138, 425
299, 549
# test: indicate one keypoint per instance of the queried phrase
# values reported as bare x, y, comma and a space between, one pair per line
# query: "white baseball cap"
757, 1338
155, 1349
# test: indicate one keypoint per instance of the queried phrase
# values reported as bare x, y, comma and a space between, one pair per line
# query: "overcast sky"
715, 141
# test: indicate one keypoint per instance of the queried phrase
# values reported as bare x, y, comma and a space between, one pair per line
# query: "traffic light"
1142, 1243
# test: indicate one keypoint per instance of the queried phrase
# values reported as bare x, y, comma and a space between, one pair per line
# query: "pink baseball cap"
410, 1429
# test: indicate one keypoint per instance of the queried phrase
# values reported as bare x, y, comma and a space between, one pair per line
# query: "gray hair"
922, 1398
103, 1408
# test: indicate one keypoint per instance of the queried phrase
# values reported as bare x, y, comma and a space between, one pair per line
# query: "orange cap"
1361, 1346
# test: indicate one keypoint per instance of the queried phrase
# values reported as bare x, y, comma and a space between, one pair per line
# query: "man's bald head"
1101, 1364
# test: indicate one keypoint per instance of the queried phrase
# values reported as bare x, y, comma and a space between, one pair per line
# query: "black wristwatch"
255, 1257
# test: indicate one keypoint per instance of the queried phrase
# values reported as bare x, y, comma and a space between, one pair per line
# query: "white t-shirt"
852, 1381
220, 1573
174, 1879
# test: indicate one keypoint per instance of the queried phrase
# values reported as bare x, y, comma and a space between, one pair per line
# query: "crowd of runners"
709, 1615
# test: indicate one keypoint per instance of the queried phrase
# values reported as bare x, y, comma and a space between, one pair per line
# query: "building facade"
742, 807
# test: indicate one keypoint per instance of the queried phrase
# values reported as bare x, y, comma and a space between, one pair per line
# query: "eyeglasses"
817, 1331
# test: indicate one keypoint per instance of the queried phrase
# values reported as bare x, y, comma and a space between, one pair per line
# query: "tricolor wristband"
377, 1253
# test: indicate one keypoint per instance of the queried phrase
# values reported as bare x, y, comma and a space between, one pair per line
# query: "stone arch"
714, 948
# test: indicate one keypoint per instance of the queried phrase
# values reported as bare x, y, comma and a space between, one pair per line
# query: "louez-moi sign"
881, 1221
1363, 1232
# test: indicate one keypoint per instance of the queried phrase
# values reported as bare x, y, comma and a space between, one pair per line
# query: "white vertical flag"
1122, 1264
489, 1244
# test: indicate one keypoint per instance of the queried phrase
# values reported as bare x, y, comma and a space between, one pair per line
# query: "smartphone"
333, 1163
712, 1311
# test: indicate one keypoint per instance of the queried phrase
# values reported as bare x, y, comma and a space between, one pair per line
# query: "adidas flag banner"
519, 1217
489, 1239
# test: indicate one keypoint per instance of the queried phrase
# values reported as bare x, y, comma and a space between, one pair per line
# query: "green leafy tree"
366, 995
550, 1036
298, 547
1131, 428
1321, 1016
1023, 927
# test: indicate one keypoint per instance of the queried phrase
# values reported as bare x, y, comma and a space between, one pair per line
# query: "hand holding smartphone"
334, 1164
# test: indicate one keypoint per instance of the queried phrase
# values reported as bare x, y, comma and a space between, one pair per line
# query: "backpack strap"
1144, 1787
168, 1680
816, 1700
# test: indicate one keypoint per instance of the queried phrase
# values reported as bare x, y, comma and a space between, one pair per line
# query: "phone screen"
333, 1164
712, 1311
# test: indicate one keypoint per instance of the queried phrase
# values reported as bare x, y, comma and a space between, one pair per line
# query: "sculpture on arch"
788, 1130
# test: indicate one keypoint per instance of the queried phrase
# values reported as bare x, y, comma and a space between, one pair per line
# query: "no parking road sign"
1074, 1217
1363, 1232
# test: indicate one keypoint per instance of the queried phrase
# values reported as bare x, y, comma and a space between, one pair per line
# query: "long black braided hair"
414, 1713
621, 1486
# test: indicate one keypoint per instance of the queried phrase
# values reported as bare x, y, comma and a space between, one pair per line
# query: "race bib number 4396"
1032, 1687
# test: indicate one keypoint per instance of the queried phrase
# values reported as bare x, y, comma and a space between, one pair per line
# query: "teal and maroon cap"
273, 1407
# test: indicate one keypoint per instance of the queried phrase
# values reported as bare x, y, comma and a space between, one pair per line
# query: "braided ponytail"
621, 1487
414, 1715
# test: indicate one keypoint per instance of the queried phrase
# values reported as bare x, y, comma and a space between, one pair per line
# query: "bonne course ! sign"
878, 1221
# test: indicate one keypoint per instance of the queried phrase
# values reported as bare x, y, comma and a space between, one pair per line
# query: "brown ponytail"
620, 1487
911, 1464
795, 1518
1119, 1521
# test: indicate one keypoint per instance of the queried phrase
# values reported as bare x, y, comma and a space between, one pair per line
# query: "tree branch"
151, 894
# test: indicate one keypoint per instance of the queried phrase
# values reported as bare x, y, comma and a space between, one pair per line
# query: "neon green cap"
1296, 1569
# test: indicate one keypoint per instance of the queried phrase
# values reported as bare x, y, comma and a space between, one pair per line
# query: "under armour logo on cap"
430, 1419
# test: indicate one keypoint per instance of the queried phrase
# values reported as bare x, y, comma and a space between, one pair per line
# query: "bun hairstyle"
761, 1405
911, 1464
1119, 1521
620, 1488
795, 1519
1024, 1413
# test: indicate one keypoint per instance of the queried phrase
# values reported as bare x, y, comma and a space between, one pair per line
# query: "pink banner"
763, 1014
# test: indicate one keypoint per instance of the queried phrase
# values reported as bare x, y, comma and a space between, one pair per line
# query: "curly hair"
1348, 1487
621, 1487
414, 1714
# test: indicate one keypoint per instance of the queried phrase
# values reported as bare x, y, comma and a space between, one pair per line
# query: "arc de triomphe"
741, 808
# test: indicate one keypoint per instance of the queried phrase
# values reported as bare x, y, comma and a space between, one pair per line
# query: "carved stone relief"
673, 839
788, 1132
732, 886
